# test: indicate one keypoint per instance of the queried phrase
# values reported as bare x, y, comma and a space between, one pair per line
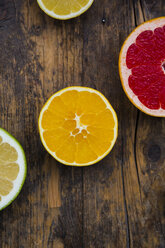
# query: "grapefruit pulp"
142, 67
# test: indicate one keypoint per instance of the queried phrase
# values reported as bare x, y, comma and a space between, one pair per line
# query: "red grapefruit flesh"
142, 67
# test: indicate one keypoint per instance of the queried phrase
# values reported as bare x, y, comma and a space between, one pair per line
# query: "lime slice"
13, 168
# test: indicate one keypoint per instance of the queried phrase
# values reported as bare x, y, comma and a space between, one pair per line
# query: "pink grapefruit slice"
142, 67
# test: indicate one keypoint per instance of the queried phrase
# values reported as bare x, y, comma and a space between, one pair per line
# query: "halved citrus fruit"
78, 126
142, 67
64, 9
12, 168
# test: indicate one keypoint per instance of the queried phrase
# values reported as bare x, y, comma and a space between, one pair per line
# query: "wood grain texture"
146, 217
120, 201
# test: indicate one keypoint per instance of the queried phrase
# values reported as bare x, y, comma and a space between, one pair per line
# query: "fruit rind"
64, 17
24, 172
152, 24
78, 88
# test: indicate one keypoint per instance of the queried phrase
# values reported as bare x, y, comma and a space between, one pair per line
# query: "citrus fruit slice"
64, 9
78, 126
12, 168
142, 67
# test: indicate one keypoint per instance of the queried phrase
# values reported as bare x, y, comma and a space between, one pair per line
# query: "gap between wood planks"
139, 18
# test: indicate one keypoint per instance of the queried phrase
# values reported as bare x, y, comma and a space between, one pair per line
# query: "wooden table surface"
117, 203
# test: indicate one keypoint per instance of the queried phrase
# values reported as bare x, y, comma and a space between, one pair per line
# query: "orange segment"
79, 138
103, 135
88, 119
98, 146
105, 120
84, 132
70, 99
85, 153
58, 107
51, 123
67, 151
69, 125
75, 131
90, 103
78, 126
55, 138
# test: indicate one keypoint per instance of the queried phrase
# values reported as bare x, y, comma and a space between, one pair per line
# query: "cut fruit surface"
142, 67
12, 168
64, 9
78, 126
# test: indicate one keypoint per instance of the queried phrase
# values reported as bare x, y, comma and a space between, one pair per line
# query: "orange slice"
78, 126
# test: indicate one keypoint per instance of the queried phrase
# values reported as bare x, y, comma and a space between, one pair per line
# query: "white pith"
64, 17
17, 183
79, 125
125, 72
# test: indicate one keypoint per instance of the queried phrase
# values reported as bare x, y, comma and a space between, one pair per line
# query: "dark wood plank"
38, 57
120, 201
145, 174
105, 210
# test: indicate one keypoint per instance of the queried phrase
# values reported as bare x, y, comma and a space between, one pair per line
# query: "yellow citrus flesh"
9, 168
64, 9
78, 126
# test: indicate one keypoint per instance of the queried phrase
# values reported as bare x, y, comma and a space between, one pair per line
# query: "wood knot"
154, 152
